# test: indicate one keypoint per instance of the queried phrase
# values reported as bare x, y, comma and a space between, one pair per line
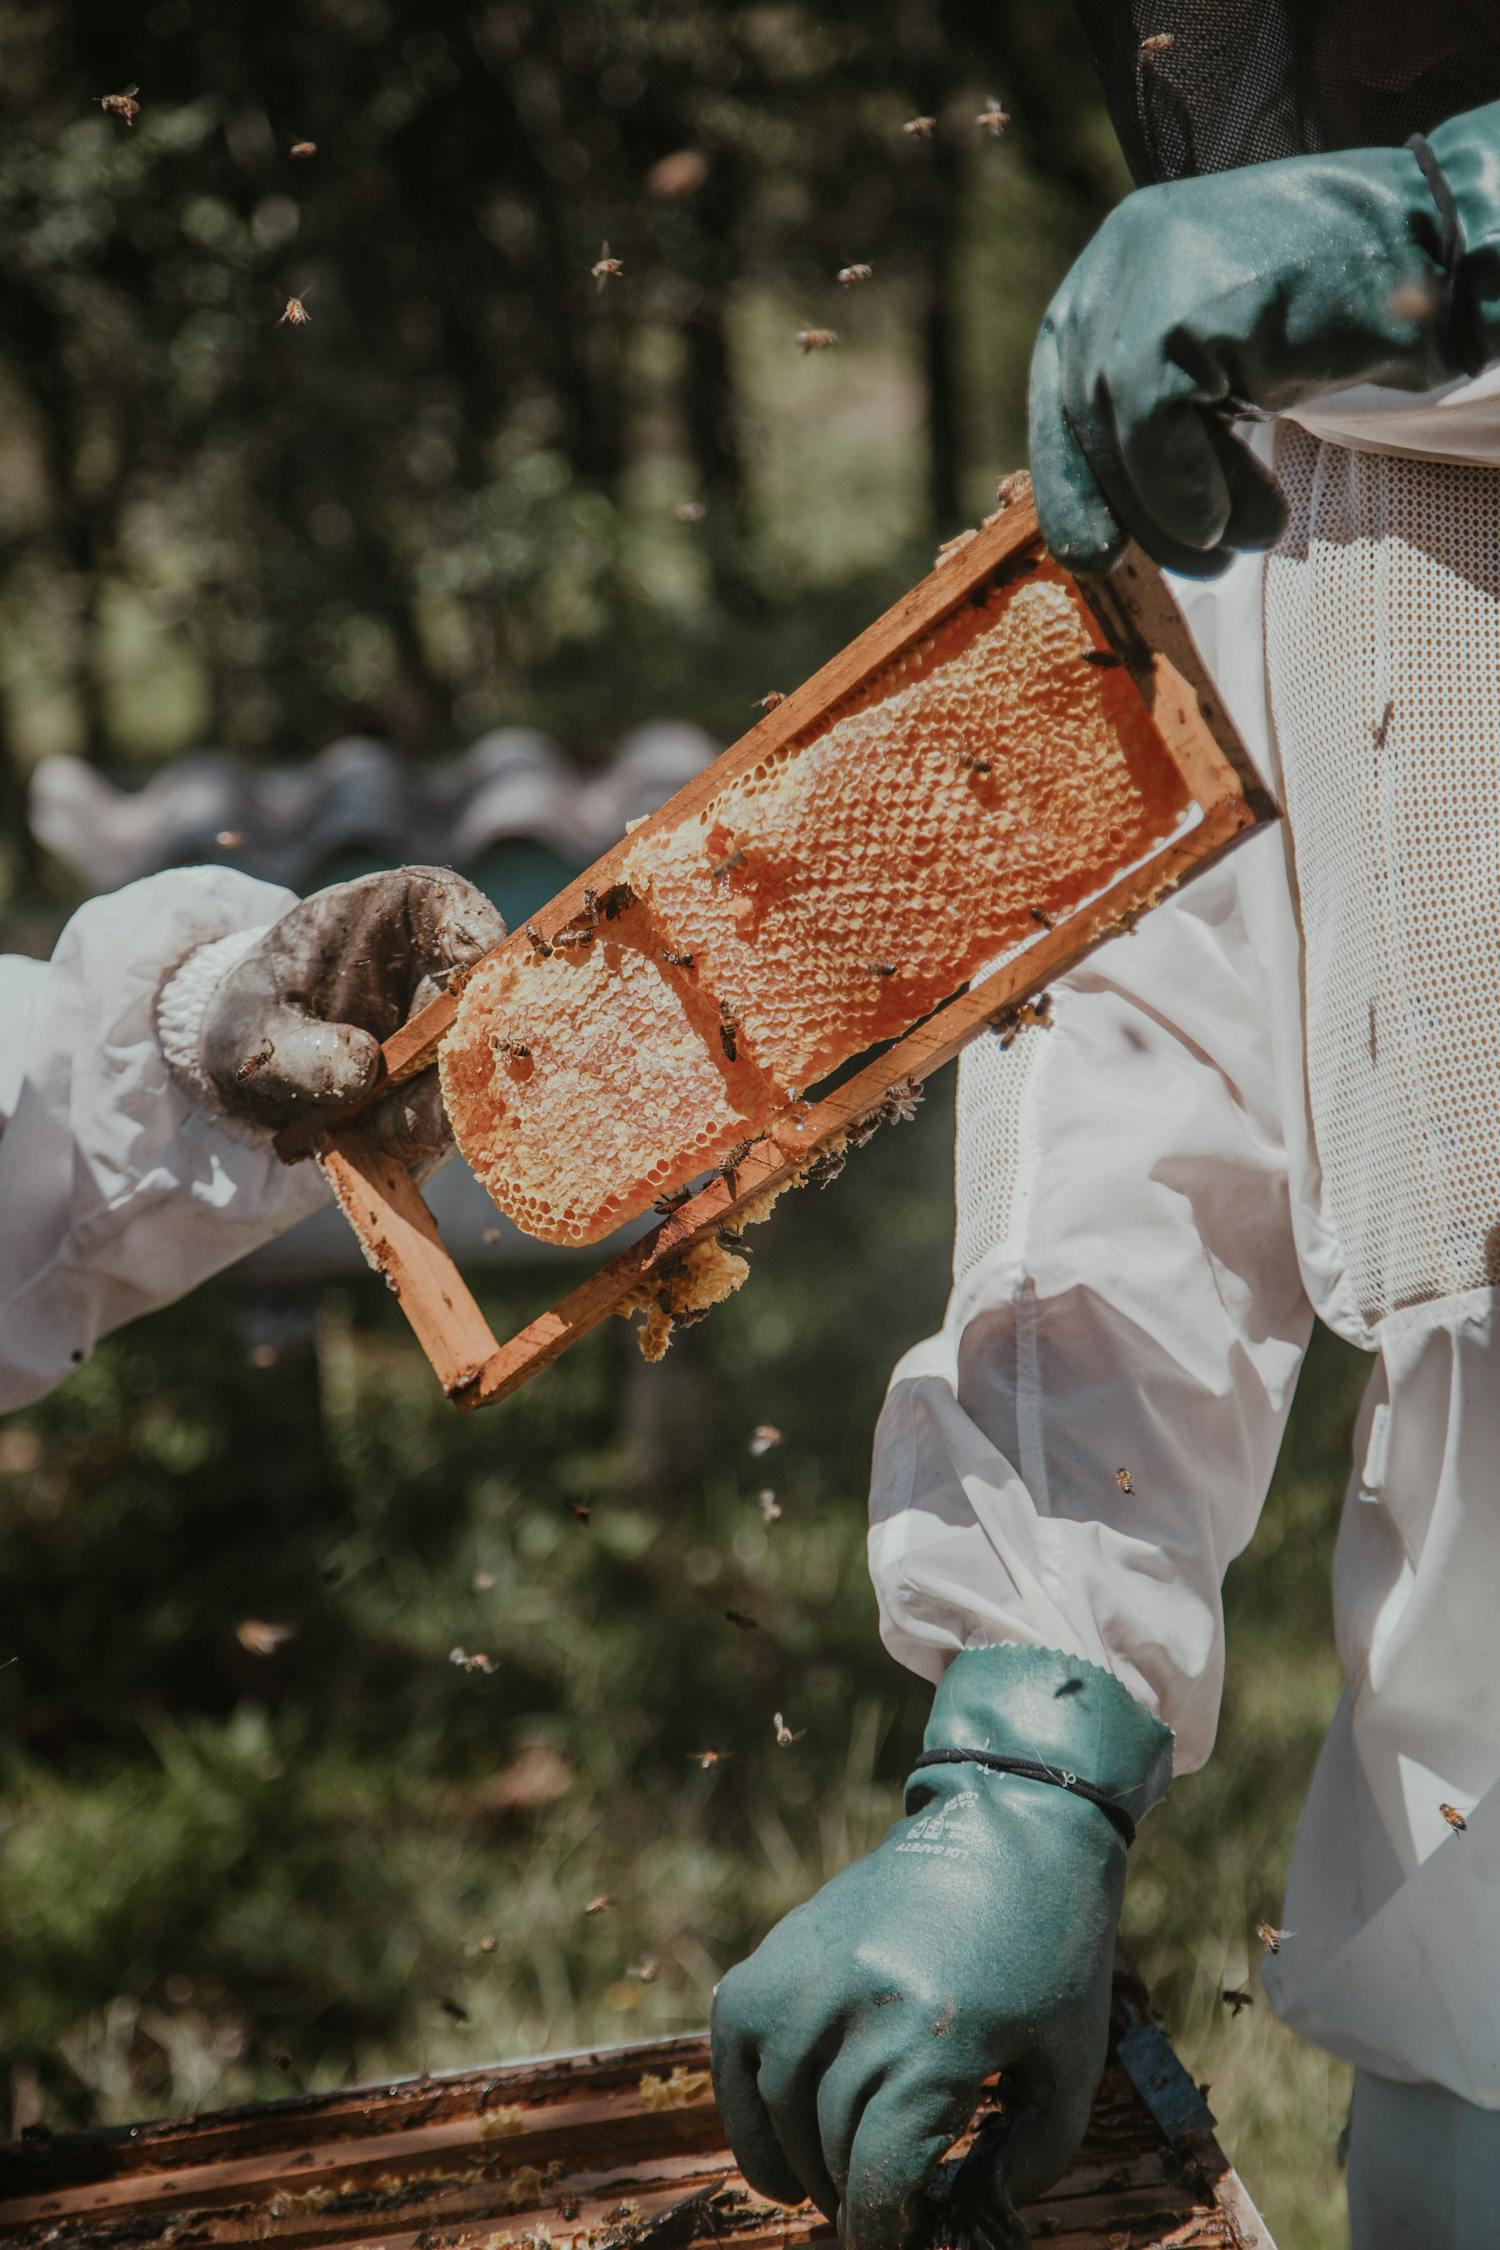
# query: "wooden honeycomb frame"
619, 2149
1138, 621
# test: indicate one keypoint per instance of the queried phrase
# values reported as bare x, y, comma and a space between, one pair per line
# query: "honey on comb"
979, 788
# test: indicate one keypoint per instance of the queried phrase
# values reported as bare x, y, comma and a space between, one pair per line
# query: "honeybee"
770, 1507
1235, 2001
975, 764
259, 1638
478, 1662
726, 867
296, 315
124, 106
729, 1038
644, 1972
784, 1735
667, 1204
742, 1618
690, 511
705, 1760
676, 960
1159, 43
1125, 1480
590, 908
825, 1169
582, 1511
1016, 486
881, 968
901, 1101
303, 148
539, 945
770, 699
847, 276
992, 119
1270, 1937
920, 128
1103, 659
816, 340
253, 1063
1454, 1818
453, 2009
598, 1905
605, 268
731, 1241
576, 937
763, 1437
1044, 921
516, 1048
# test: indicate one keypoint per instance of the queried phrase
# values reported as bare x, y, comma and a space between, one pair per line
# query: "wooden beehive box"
1124, 638
618, 2149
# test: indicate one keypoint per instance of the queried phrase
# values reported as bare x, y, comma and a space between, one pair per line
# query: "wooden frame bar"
1138, 624
618, 2149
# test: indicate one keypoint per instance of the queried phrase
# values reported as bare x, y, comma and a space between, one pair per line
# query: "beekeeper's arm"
144, 1068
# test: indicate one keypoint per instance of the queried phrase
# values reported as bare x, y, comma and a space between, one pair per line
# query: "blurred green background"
456, 499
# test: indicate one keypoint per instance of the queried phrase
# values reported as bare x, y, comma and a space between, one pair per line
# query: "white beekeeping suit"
119, 1189
144, 1068
1279, 1098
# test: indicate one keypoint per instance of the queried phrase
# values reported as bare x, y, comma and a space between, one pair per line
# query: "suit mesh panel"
1383, 647
1245, 81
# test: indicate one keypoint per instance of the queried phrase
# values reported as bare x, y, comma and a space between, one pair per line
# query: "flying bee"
706, 1760
296, 315
816, 340
303, 148
1125, 1480
676, 960
770, 1507
644, 1972
605, 268
743, 1620
453, 2009
478, 1662
992, 119
124, 106
770, 699
253, 1063
920, 128
729, 1038
690, 511
598, 1905
1159, 43
539, 945
762, 1438
848, 276
582, 1511
783, 1733
1235, 2001
1271, 1937
1454, 1818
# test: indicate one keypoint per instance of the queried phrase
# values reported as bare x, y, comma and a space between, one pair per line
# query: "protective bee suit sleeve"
1076, 1457
118, 1190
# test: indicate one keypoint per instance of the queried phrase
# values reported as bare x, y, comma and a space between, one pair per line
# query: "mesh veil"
1205, 85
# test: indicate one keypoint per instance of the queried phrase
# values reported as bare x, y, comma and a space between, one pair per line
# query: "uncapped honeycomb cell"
993, 777
580, 1088
974, 792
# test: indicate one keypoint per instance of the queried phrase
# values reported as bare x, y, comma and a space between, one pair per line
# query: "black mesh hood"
1204, 85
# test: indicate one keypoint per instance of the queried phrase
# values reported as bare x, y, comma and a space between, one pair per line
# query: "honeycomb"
977, 789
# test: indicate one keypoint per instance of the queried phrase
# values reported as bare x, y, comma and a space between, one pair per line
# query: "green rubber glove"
1264, 288
850, 2049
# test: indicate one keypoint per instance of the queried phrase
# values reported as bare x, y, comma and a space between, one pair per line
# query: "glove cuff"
182, 1003
1465, 154
1038, 1705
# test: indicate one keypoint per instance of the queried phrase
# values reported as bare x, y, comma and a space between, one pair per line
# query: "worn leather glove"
294, 1028
850, 2049
1262, 288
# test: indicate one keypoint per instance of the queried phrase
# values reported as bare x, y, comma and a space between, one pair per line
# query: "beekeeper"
1277, 1100
145, 1067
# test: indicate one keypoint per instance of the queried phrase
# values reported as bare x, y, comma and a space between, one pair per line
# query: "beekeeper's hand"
850, 2049
294, 1028
1264, 287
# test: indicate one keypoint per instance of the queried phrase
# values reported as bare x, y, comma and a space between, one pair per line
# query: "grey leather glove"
294, 1029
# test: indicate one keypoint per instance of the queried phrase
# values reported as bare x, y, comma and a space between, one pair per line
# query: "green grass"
225, 1875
